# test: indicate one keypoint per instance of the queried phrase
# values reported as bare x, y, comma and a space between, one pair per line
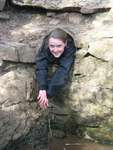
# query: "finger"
43, 101
46, 102
43, 104
40, 98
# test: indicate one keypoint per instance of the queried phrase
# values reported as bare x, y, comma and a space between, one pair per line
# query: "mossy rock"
102, 134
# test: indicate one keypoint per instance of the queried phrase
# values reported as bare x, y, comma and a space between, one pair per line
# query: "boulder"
85, 7
16, 52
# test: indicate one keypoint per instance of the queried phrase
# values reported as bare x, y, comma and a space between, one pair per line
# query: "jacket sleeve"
41, 70
60, 76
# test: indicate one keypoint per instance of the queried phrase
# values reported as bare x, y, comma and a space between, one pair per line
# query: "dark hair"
58, 34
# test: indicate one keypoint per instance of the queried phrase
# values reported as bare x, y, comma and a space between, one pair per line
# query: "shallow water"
72, 143
69, 143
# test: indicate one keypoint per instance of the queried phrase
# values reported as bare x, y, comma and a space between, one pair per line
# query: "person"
57, 48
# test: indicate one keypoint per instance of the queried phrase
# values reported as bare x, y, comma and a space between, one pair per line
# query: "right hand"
42, 99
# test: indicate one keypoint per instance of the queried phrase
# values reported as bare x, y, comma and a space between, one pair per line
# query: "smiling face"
56, 47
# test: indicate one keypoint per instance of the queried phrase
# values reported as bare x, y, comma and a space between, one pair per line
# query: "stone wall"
87, 102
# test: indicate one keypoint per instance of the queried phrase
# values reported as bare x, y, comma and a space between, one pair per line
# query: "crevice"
109, 37
5, 68
15, 131
17, 54
42, 10
12, 104
18, 63
89, 54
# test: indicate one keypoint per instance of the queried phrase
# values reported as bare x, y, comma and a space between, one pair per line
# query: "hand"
42, 99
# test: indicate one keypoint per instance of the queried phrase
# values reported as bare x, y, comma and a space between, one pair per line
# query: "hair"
58, 34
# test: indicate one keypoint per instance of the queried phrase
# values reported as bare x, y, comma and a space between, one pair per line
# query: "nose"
55, 49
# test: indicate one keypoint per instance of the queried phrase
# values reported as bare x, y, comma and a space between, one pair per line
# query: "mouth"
57, 54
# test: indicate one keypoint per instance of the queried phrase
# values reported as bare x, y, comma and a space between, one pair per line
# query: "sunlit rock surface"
85, 7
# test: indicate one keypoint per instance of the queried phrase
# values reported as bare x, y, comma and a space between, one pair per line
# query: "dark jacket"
58, 80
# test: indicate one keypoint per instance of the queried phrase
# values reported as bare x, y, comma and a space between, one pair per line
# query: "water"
69, 143
72, 143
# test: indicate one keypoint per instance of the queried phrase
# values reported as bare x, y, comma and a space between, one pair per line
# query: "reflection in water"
72, 143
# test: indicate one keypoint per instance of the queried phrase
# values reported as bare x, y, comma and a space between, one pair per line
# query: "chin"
57, 56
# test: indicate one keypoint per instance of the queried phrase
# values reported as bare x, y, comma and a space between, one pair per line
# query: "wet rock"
35, 139
58, 134
16, 113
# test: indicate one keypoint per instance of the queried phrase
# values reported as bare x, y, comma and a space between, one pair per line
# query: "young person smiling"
57, 48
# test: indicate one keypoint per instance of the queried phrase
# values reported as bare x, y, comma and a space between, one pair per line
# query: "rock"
16, 52
58, 134
36, 138
51, 14
75, 19
91, 10
103, 49
8, 52
85, 7
2, 4
103, 133
16, 113
4, 16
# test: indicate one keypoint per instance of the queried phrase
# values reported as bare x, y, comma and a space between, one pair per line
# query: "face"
56, 47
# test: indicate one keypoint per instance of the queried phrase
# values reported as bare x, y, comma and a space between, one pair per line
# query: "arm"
41, 76
41, 70
60, 76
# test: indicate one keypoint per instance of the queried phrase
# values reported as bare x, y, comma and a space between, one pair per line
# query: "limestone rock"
17, 114
85, 7
102, 50
16, 52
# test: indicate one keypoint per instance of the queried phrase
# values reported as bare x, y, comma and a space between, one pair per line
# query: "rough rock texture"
85, 7
18, 108
17, 52
2, 4
88, 100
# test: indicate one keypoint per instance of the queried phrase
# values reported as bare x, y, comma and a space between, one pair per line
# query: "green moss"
102, 134
28, 2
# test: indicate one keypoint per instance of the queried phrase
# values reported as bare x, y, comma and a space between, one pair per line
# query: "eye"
58, 46
52, 46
